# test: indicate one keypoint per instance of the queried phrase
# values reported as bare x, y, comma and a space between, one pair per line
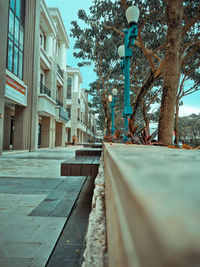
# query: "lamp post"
112, 100
125, 53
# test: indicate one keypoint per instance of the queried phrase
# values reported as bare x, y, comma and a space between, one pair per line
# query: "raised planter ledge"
152, 206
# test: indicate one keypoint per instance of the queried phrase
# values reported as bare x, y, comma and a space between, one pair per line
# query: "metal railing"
44, 90
59, 70
59, 103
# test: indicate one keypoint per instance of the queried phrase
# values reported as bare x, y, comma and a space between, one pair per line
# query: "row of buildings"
41, 100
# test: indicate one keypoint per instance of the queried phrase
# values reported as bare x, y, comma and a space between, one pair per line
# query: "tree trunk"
176, 123
145, 88
108, 132
174, 15
144, 114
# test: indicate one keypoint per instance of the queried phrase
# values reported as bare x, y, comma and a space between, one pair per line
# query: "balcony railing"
59, 71
63, 114
44, 90
59, 103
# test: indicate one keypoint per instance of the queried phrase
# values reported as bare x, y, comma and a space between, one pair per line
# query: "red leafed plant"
145, 137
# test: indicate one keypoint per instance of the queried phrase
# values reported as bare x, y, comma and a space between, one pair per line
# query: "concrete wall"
152, 206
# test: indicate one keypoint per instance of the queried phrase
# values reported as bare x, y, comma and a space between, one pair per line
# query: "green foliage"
189, 127
97, 42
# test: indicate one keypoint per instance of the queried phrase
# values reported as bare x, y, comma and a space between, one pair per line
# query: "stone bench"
81, 166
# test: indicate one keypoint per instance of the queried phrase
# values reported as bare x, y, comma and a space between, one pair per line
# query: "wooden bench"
93, 145
89, 152
81, 166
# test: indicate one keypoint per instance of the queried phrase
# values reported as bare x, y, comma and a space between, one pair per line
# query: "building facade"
35, 98
19, 73
52, 114
81, 119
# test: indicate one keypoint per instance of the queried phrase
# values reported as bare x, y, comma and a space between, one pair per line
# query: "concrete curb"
94, 254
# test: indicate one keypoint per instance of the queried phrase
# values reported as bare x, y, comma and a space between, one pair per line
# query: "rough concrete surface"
94, 254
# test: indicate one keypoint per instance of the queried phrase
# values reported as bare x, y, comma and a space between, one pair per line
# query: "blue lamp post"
125, 53
112, 100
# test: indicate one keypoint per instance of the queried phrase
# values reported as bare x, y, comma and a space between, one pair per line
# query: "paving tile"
19, 249
15, 262
26, 185
69, 248
60, 201
49, 230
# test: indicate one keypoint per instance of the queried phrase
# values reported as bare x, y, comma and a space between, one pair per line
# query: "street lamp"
112, 100
125, 53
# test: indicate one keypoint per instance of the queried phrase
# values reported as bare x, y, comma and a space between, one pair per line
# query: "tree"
104, 33
183, 90
174, 14
189, 129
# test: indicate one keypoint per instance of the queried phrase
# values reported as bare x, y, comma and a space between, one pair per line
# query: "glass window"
69, 112
16, 37
10, 55
21, 40
16, 31
41, 39
22, 12
16, 60
12, 4
18, 4
69, 88
20, 65
11, 23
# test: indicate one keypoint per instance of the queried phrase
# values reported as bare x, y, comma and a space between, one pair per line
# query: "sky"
69, 12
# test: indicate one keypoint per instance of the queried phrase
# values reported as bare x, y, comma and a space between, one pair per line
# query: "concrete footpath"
35, 202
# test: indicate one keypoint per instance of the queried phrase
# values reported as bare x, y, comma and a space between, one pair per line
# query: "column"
3, 54
49, 44
31, 75
62, 56
76, 83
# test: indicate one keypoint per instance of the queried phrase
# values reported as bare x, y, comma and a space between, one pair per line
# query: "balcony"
60, 71
44, 90
62, 114
44, 60
46, 105
59, 103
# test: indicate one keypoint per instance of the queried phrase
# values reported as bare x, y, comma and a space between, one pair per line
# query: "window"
16, 37
69, 88
69, 113
41, 40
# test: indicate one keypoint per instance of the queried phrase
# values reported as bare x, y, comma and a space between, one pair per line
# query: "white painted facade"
52, 78
81, 122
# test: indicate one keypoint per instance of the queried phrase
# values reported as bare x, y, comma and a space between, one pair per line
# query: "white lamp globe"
110, 98
114, 92
132, 15
121, 51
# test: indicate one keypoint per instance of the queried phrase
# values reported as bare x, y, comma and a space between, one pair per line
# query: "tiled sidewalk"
35, 202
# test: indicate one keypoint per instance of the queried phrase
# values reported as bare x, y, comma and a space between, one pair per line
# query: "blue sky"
69, 10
